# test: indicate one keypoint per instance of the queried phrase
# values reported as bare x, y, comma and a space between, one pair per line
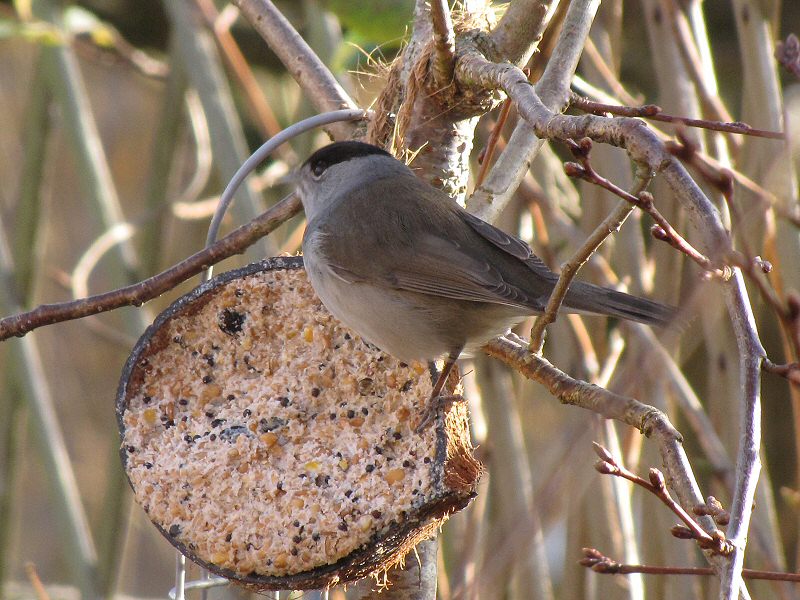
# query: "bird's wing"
442, 267
458, 256
505, 242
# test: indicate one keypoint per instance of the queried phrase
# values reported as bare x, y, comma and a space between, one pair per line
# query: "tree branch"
300, 60
139, 293
520, 29
444, 44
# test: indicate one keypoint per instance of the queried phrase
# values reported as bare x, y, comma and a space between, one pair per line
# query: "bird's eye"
317, 169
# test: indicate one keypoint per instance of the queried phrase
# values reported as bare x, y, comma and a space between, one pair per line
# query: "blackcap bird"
403, 265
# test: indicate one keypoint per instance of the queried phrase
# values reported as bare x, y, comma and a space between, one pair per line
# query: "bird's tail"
587, 298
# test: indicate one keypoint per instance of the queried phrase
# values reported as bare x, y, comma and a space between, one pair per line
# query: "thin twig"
662, 231
654, 112
600, 563
656, 485
139, 293
300, 60
570, 269
491, 143
260, 109
685, 42
444, 44
790, 371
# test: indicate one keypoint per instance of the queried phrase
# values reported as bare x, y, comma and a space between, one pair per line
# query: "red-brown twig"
491, 144
714, 542
599, 563
139, 293
790, 371
654, 112
662, 231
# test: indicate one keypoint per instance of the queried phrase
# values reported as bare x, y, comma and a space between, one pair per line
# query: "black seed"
196, 437
217, 422
378, 450
183, 402
294, 552
147, 399
322, 480
315, 537
397, 435
406, 463
247, 412
148, 465
177, 339
296, 523
348, 493
187, 438
426, 460
315, 392
209, 414
230, 321
284, 401
297, 539
406, 386
231, 397
370, 468
347, 336
351, 413
207, 379
184, 418
131, 449
174, 530
212, 437
333, 416
364, 410
402, 365
169, 423
342, 526
376, 514
210, 360
228, 537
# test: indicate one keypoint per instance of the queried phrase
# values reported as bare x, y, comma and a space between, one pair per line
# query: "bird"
412, 272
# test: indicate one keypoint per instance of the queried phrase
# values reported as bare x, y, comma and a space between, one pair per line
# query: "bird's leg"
435, 399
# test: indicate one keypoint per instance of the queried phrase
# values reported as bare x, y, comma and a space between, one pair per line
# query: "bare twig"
654, 113
263, 115
705, 85
444, 44
491, 144
570, 269
600, 563
139, 293
300, 60
662, 231
656, 485
790, 371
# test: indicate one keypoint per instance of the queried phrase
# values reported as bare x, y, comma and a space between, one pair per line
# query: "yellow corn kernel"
395, 476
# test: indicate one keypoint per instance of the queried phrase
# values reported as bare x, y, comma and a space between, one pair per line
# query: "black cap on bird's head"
339, 152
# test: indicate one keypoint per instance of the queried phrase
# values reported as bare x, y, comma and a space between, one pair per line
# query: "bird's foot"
435, 404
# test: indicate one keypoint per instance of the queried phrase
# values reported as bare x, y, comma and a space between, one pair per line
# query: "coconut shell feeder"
274, 447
